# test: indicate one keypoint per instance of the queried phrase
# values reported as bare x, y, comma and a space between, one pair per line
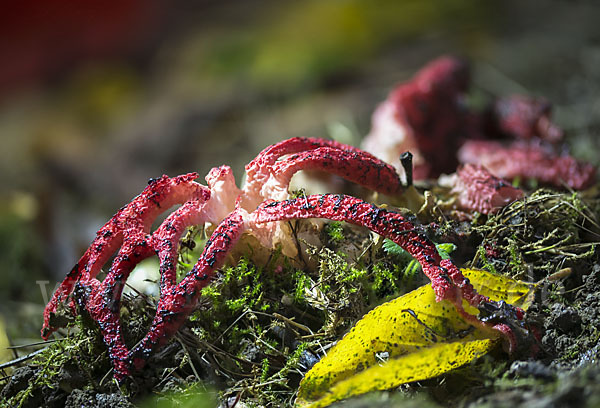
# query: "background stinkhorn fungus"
479, 190
529, 160
520, 117
514, 138
426, 117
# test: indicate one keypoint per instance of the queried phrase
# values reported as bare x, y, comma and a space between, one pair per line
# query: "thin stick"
39, 343
21, 359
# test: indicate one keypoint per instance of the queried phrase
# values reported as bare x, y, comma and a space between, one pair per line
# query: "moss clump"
77, 360
333, 232
263, 326
535, 237
246, 326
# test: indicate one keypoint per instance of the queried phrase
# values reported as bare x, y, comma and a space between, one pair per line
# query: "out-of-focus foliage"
298, 44
193, 397
5, 353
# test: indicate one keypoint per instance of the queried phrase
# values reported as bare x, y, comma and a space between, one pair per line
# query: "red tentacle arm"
263, 173
355, 166
103, 304
445, 277
177, 302
167, 236
129, 229
270, 155
447, 280
138, 216
103, 301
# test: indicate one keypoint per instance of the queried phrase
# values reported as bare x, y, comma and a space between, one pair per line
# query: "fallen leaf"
407, 332
416, 366
499, 287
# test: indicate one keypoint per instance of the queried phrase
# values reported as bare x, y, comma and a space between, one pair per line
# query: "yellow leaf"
401, 326
420, 365
413, 323
498, 287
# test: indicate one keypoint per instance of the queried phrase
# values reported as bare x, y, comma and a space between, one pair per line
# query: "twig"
21, 359
39, 343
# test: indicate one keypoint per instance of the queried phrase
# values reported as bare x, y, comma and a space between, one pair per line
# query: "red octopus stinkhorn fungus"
529, 160
521, 117
235, 211
128, 230
479, 190
425, 116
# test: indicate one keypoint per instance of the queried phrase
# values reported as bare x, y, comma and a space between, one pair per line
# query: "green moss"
334, 232
516, 257
264, 319
484, 261
81, 352
194, 396
264, 371
385, 279
303, 282
406, 266
533, 237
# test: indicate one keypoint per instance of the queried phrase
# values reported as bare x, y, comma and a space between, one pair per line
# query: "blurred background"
97, 97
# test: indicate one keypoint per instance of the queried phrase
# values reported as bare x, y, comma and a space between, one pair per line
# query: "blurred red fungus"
529, 160
521, 117
426, 117
479, 190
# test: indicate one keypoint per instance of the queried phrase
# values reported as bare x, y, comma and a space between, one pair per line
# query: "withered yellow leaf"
498, 287
416, 366
411, 325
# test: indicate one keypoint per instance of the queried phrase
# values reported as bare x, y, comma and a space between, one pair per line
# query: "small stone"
531, 369
567, 320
